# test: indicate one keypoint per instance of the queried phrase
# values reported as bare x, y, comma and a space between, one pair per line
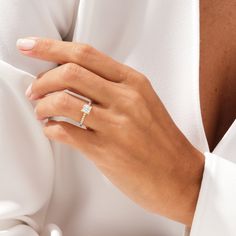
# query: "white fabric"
46, 187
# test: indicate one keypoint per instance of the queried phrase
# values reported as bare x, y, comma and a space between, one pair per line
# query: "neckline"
201, 128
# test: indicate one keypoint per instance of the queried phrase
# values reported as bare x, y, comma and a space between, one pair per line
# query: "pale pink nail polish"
33, 97
28, 92
25, 44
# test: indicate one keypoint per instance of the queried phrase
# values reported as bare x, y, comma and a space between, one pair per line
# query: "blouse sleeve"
216, 207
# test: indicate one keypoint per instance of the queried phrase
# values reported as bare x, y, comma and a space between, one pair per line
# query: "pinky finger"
64, 132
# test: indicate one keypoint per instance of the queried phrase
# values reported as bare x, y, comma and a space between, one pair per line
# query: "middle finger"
77, 79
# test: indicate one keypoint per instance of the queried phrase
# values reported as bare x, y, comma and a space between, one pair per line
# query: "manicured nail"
33, 97
28, 92
25, 44
37, 117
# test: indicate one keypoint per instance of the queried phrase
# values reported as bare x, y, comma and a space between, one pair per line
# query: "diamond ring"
86, 109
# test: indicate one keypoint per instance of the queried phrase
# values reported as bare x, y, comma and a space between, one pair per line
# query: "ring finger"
63, 104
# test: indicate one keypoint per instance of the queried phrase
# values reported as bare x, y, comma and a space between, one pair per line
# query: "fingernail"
28, 92
33, 97
37, 117
25, 44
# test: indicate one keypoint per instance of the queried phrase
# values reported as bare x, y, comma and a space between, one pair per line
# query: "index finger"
84, 55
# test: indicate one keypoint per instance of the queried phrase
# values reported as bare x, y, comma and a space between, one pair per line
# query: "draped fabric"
47, 188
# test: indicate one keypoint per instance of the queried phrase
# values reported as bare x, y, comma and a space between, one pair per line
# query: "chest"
217, 67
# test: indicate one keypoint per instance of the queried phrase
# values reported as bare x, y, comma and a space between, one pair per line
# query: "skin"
218, 67
139, 148
151, 144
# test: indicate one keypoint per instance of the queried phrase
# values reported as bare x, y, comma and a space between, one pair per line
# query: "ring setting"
85, 110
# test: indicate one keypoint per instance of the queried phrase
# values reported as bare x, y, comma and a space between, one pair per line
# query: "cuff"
215, 212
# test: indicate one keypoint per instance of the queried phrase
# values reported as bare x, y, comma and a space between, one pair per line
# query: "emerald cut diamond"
86, 108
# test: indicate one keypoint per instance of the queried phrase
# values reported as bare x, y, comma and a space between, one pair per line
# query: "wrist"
191, 184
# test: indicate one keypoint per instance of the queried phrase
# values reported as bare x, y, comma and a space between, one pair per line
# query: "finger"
84, 55
84, 140
63, 104
77, 79
42, 74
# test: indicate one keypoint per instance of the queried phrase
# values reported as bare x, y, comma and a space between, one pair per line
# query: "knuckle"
125, 73
132, 100
70, 68
118, 122
135, 98
61, 101
142, 82
82, 51
137, 80
86, 49
142, 79
43, 46
129, 74
127, 105
124, 121
69, 71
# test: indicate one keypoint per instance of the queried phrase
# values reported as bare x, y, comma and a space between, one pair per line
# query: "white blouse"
47, 188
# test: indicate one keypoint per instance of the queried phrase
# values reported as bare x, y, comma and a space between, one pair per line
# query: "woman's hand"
131, 137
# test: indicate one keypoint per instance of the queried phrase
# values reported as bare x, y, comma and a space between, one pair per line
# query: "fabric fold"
26, 157
216, 211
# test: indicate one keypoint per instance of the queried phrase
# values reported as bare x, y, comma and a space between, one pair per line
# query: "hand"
131, 137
